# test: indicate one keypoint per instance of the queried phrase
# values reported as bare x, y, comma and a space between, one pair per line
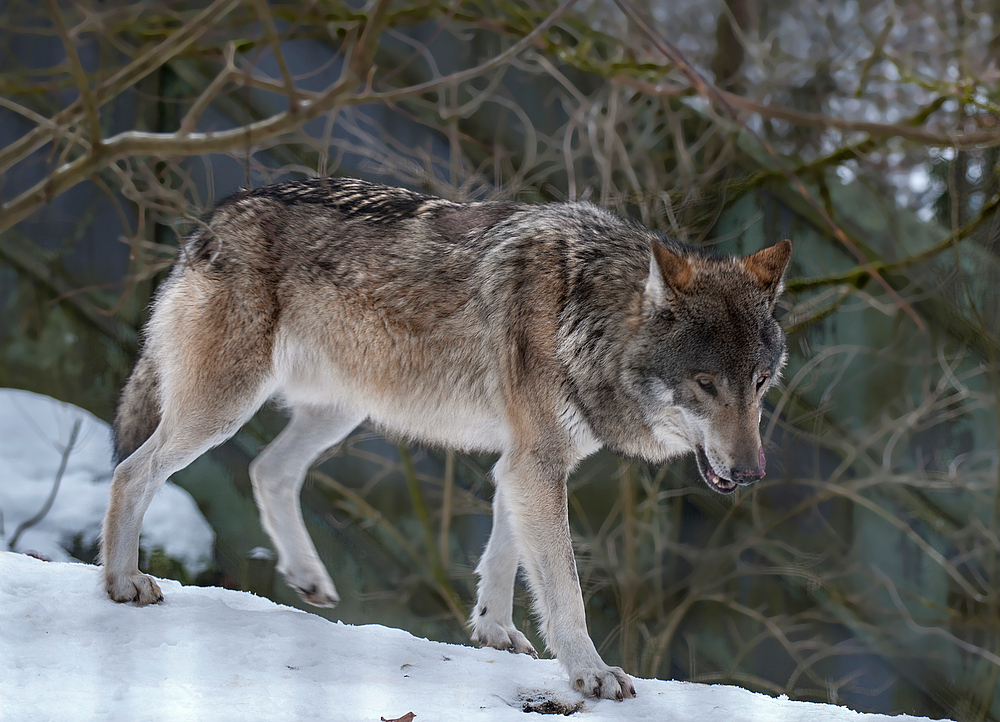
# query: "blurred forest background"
864, 570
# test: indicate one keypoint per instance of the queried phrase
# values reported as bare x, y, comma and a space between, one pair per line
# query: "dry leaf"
408, 717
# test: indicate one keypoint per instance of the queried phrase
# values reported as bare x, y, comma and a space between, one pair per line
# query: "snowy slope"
34, 430
67, 652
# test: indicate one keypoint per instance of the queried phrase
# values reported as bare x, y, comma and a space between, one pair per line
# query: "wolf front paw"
136, 587
502, 637
603, 683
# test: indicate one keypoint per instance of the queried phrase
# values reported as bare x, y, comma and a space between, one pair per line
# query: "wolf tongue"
762, 460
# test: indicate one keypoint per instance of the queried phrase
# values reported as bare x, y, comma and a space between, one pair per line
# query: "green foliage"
159, 564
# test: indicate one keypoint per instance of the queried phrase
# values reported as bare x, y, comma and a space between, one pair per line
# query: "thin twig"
210, 93
420, 509
271, 33
447, 494
79, 74
67, 450
856, 275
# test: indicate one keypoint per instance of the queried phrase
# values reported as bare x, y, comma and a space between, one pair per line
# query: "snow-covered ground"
67, 652
34, 432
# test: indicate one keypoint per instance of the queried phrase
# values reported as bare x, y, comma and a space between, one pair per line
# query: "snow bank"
67, 652
34, 430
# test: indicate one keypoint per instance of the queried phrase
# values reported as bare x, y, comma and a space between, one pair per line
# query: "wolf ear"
768, 266
669, 276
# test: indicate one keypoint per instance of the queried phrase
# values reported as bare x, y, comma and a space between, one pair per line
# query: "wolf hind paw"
503, 637
603, 683
317, 597
136, 587
316, 589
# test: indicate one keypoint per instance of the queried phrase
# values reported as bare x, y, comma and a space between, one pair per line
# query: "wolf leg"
536, 491
277, 476
189, 427
492, 619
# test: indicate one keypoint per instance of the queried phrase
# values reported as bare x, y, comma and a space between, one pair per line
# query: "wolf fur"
541, 333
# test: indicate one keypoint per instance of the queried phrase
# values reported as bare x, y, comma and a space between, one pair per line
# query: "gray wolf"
540, 333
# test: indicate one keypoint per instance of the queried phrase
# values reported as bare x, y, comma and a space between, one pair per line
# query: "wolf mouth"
714, 481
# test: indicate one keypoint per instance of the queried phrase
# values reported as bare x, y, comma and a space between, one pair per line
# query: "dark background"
863, 570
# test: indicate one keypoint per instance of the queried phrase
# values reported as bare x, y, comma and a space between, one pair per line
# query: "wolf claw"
504, 638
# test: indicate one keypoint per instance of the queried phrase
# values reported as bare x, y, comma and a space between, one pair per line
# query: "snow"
34, 430
67, 652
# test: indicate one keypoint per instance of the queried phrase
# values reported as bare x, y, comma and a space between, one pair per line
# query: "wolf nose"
746, 476
749, 474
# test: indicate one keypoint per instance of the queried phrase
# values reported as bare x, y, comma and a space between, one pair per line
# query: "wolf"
537, 332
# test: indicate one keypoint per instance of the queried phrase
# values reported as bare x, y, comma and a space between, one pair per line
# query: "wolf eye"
762, 381
706, 385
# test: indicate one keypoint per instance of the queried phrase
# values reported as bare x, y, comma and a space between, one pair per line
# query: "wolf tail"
139, 410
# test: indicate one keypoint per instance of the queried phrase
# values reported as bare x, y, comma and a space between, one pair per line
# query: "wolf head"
706, 350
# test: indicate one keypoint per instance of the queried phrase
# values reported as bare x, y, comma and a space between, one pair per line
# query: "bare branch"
115, 85
28, 523
211, 92
271, 33
710, 92
79, 75
975, 139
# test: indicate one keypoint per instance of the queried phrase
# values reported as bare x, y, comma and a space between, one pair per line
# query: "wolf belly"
451, 408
